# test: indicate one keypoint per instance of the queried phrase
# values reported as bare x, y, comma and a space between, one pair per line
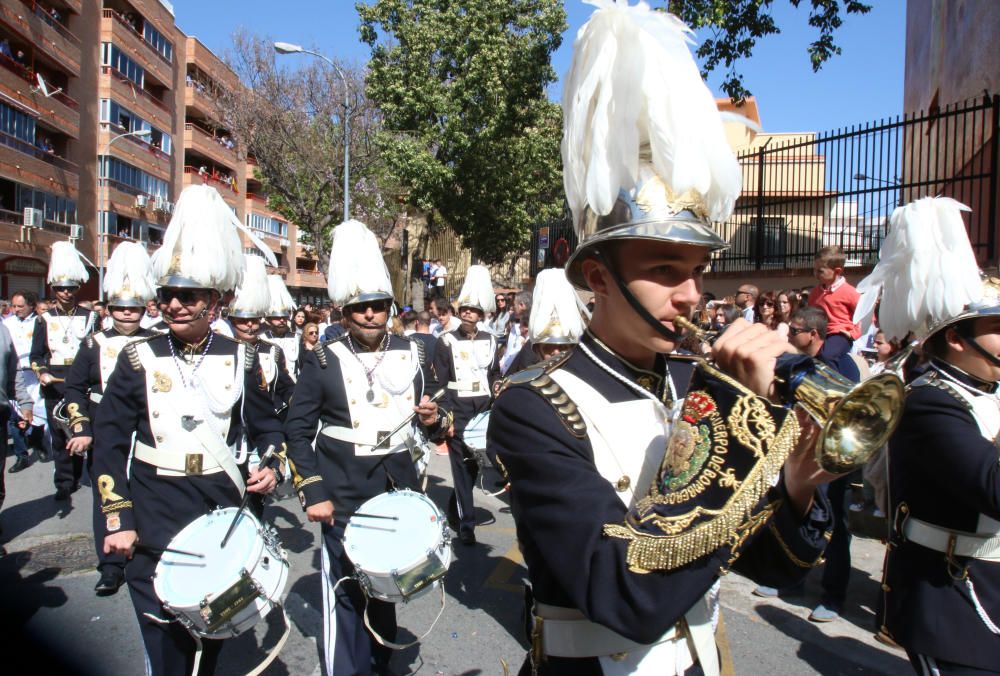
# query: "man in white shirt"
440, 273
746, 298
21, 325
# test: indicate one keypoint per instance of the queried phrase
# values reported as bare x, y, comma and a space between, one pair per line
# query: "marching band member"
249, 306
128, 284
583, 435
277, 331
186, 397
352, 389
941, 581
57, 337
466, 362
555, 324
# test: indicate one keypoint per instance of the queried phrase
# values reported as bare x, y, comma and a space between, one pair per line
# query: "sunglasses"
767, 303
69, 289
375, 305
312, 333
183, 296
793, 331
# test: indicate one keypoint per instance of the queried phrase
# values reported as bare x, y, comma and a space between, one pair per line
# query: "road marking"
507, 574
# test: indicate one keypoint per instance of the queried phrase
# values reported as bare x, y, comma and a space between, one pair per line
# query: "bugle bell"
855, 419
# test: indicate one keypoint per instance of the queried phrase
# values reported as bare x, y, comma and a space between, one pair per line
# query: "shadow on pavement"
862, 597
832, 656
19, 519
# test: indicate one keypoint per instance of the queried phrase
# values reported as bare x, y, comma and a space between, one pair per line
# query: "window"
128, 122
772, 233
115, 58
157, 41
131, 177
17, 124
54, 208
271, 226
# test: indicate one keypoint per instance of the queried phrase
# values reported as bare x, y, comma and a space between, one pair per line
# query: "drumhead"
183, 581
380, 546
475, 432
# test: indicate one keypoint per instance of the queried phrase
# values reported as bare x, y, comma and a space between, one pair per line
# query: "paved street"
47, 580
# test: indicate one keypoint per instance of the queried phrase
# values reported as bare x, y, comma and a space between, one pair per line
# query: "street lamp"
864, 177
289, 48
101, 194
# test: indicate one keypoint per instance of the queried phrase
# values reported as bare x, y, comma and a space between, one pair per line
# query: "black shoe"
112, 578
22, 462
43, 455
467, 538
63, 494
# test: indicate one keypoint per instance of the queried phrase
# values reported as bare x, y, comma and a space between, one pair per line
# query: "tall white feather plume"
927, 271
253, 296
477, 290
554, 308
129, 274
356, 263
281, 303
202, 241
633, 81
65, 265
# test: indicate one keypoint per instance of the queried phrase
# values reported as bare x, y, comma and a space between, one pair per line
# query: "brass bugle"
855, 419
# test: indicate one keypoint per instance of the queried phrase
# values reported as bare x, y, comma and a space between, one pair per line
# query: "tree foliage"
468, 129
737, 25
289, 118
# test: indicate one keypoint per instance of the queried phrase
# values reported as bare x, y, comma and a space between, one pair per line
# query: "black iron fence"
805, 191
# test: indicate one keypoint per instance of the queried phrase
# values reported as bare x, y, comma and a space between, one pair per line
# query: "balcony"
131, 42
309, 278
198, 98
203, 142
23, 162
137, 99
136, 152
60, 111
46, 34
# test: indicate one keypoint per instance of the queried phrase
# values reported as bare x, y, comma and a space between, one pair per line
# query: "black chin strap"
966, 335
634, 302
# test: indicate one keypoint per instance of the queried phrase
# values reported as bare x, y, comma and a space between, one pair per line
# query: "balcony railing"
112, 14
209, 136
116, 130
214, 180
110, 70
36, 152
11, 217
17, 218
59, 28
122, 187
28, 75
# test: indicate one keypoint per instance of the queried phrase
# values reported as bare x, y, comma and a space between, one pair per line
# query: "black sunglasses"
793, 331
183, 296
65, 288
375, 305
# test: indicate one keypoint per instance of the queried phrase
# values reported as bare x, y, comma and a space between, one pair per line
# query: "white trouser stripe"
329, 607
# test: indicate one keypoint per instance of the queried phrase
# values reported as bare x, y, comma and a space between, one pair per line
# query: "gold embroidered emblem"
690, 442
752, 424
110, 352
106, 487
162, 382
113, 522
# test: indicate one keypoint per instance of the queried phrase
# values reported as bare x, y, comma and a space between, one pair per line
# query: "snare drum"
229, 590
398, 558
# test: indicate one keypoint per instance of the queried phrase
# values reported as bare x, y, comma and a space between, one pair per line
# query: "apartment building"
106, 114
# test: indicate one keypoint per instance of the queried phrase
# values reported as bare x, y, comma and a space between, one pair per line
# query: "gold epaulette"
537, 377
248, 357
320, 351
133, 355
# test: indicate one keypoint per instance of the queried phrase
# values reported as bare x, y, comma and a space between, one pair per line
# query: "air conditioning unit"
75, 231
170, 208
141, 201
33, 217
160, 204
284, 243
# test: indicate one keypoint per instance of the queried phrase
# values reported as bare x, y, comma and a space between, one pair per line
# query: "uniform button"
348, 381
229, 387
356, 423
353, 402
156, 414
409, 397
229, 362
158, 438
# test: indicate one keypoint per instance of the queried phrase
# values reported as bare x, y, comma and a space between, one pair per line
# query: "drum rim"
442, 546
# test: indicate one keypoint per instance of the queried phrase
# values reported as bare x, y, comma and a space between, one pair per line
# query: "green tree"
736, 25
289, 118
467, 127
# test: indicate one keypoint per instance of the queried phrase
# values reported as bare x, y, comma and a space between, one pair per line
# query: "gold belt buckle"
475, 386
537, 644
69, 361
192, 463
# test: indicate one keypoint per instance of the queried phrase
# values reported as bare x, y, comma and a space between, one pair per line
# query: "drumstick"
264, 459
434, 397
372, 516
167, 550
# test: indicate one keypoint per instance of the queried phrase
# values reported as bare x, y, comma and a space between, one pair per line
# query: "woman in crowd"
299, 321
763, 310
725, 314
310, 336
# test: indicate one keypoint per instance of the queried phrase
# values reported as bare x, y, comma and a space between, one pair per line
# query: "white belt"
96, 397
565, 632
467, 386
184, 463
983, 547
369, 439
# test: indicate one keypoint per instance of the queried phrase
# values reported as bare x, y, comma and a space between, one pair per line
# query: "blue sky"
864, 83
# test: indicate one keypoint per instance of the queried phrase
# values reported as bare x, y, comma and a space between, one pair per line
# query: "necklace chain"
201, 357
370, 373
617, 376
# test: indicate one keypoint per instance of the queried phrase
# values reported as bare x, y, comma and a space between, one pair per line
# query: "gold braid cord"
678, 539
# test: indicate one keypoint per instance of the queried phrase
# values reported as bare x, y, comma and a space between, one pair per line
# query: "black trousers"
464, 472
348, 646
163, 506
68, 468
837, 569
4, 416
